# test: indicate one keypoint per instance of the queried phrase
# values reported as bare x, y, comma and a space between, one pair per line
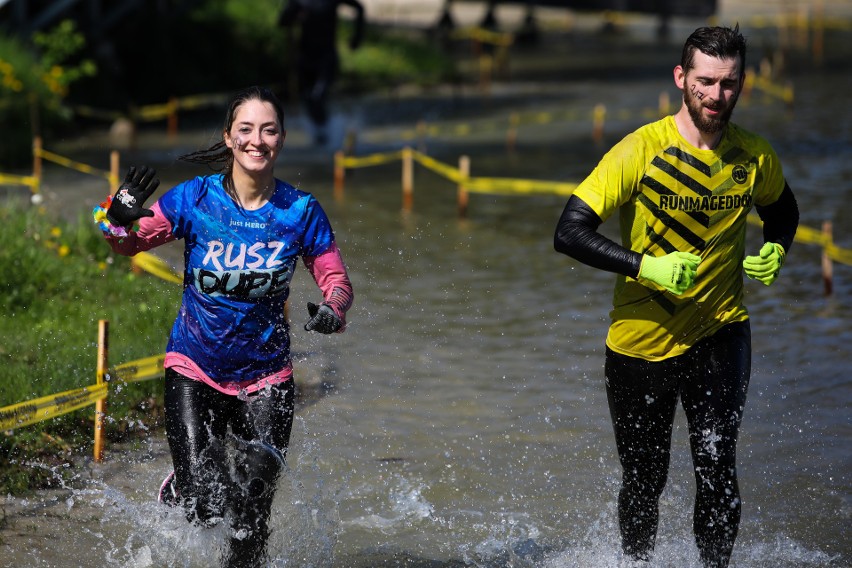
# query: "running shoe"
168, 491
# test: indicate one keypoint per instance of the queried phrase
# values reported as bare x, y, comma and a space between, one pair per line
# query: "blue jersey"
238, 267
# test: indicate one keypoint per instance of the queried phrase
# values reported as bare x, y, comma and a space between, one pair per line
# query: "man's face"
710, 90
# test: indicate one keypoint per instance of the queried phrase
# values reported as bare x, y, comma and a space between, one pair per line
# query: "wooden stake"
113, 171
664, 104
827, 266
462, 195
407, 179
100, 405
37, 146
599, 117
339, 173
172, 119
512, 132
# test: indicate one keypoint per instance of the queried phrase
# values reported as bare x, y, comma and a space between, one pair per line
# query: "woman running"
229, 378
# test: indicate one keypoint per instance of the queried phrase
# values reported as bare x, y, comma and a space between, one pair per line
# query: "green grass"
59, 280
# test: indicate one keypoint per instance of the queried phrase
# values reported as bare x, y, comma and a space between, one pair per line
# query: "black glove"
126, 207
323, 319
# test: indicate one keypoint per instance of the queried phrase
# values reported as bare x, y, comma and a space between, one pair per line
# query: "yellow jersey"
671, 197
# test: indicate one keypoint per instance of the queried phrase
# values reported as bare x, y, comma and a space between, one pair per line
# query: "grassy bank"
59, 279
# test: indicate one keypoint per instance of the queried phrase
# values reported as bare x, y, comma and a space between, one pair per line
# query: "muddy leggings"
212, 485
711, 380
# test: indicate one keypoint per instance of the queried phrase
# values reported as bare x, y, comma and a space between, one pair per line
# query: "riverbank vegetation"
59, 280
218, 46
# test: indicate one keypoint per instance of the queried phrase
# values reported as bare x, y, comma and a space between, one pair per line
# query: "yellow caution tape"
198, 101
139, 370
156, 266
157, 111
30, 412
68, 163
90, 112
372, 160
811, 236
783, 92
494, 185
485, 36
154, 112
10, 179
797, 21
449, 172
510, 186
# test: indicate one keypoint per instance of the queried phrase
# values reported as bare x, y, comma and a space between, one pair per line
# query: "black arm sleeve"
780, 219
577, 236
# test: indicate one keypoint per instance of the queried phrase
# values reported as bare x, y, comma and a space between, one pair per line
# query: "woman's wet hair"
720, 42
219, 157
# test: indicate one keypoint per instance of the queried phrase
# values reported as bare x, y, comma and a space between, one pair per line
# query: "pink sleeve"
153, 232
330, 274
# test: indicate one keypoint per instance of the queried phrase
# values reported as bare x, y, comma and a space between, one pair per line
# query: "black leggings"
209, 483
711, 380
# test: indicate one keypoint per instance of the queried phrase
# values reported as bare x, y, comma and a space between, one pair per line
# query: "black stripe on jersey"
661, 299
681, 177
689, 159
669, 221
730, 156
665, 303
709, 170
656, 239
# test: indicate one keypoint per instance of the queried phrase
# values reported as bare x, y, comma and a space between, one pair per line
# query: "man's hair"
720, 42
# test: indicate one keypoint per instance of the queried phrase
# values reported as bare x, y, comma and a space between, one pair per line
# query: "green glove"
675, 271
766, 266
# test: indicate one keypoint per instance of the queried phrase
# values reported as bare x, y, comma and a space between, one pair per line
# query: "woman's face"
256, 137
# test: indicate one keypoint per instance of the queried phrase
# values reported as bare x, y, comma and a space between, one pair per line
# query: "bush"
33, 85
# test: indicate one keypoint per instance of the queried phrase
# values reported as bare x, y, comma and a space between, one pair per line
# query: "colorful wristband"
100, 215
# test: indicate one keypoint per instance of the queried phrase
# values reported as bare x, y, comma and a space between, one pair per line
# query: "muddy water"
462, 419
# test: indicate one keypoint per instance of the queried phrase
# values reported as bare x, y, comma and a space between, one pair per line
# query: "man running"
683, 187
317, 59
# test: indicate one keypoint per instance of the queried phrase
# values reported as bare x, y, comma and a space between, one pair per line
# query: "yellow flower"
55, 232
64, 250
56, 71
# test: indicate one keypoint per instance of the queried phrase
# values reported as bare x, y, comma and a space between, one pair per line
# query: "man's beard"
707, 125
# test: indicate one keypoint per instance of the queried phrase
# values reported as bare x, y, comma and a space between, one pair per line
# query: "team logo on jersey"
243, 283
704, 202
739, 174
244, 271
